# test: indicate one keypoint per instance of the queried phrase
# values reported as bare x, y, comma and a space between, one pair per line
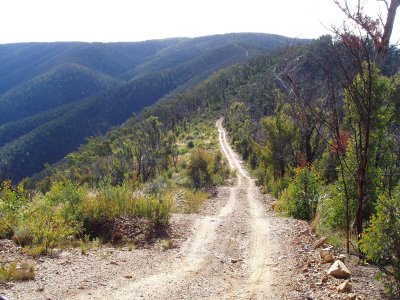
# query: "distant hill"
61, 85
55, 95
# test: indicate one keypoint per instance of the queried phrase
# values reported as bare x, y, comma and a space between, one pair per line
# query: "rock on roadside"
339, 270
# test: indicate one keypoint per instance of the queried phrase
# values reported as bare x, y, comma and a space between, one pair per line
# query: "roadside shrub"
23, 236
332, 208
101, 207
157, 210
206, 170
301, 197
200, 169
381, 241
69, 196
46, 223
13, 272
12, 202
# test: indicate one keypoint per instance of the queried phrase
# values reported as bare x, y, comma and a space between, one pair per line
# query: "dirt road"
227, 257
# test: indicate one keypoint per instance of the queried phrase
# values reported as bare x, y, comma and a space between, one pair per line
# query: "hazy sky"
133, 20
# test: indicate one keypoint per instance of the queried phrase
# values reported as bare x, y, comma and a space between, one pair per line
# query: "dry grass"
194, 201
17, 272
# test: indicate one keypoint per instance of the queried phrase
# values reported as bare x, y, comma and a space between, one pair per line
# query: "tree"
367, 44
279, 133
381, 241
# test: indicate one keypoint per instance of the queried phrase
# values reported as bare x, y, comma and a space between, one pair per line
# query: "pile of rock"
337, 270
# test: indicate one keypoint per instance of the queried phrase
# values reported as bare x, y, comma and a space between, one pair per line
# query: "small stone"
344, 287
324, 252
339, 270
352, 296
40, 288
128, 276
320, 242
235, 260
324, 278
305, 270
328, 258
114, 263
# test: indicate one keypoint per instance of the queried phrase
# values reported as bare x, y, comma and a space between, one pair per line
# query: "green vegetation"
381, 240
17, 272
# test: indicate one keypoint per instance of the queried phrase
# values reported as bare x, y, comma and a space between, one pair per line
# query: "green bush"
301, 197
12, 202
381, 241
46, 223
206, 170
13, 272
200, 169
110, 202
332, 208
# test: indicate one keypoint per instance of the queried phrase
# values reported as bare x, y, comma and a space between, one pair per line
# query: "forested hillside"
70, 91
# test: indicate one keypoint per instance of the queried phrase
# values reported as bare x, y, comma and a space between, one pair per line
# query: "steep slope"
59, 86
15, 129
21, 62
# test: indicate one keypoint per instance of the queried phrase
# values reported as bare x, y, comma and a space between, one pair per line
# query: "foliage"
303, 194
381, 240
192, 201
206, 170
46, 223
200, 169
12, 201
17, 272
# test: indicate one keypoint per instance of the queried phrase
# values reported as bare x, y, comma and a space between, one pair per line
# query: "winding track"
228, 256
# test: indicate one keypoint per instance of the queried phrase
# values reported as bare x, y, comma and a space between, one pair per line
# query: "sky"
134, 20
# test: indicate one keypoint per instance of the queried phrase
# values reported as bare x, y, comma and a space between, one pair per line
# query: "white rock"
339, 270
